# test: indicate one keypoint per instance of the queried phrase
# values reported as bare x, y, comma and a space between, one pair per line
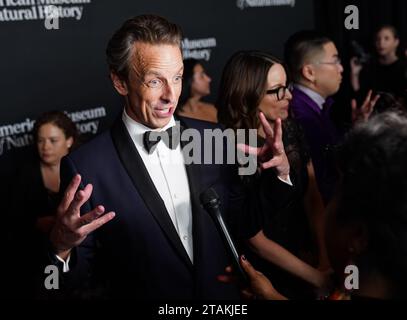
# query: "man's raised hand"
71, 228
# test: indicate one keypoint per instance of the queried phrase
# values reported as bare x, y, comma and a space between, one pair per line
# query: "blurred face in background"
52, 144
386, 42
276, 101
200, 85
328, 71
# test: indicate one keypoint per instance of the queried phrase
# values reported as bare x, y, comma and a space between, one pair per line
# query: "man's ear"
119, 84
308, 73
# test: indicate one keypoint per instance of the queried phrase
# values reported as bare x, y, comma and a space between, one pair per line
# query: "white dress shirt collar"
137, 130
315, 96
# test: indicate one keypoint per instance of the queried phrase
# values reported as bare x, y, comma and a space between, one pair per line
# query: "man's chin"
158, 123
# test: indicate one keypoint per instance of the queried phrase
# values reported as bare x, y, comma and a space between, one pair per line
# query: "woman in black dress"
367, 218
35, 196
281, 236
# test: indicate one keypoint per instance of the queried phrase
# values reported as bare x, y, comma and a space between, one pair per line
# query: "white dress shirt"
166, 168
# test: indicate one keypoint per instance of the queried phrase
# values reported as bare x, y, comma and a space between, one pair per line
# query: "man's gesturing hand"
71, 228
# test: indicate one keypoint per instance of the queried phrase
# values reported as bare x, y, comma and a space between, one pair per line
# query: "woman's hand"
355, 67
259, 286
272, 154
364, 112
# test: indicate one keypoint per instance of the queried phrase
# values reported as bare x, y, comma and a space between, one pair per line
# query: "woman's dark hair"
395, 33
387, 102
373, 193
242, 87
59, 119
188, 77
388, 27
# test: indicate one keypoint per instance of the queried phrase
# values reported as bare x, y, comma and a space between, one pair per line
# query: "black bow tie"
170, 137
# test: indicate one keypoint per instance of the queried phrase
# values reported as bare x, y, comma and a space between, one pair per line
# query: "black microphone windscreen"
208, 197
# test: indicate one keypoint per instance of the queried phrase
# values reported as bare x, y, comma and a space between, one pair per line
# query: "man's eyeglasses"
280, 91
337, 62
157, 83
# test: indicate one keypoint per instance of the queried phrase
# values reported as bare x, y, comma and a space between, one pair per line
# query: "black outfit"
284, 222
29, 201
387, 78
31, 193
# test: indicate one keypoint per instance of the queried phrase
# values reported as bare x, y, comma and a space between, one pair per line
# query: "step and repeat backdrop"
52, 52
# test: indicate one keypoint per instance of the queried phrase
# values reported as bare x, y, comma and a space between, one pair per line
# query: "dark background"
65, 69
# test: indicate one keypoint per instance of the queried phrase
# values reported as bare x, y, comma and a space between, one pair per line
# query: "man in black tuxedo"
159, 242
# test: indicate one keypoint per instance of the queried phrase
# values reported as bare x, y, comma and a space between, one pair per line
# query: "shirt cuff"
288, 181
65, 263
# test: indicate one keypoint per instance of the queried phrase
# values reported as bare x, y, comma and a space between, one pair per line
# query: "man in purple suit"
316, 70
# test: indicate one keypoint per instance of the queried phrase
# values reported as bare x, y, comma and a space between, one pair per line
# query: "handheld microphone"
211, 202
361, 54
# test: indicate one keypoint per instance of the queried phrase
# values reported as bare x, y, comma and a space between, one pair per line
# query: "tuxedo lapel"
141, 179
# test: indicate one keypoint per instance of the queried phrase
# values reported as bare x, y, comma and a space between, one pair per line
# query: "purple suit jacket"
321, 136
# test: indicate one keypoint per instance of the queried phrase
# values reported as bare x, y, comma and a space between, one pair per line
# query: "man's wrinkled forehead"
147, 58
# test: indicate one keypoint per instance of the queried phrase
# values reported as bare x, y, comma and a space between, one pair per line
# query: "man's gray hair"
148, 28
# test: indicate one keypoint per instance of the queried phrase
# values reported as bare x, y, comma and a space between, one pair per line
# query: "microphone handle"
229, 242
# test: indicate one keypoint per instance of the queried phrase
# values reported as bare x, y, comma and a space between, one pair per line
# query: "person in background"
34, 195
282, 238
386, 72
54, 134
315, 68
195, 86
367, 221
